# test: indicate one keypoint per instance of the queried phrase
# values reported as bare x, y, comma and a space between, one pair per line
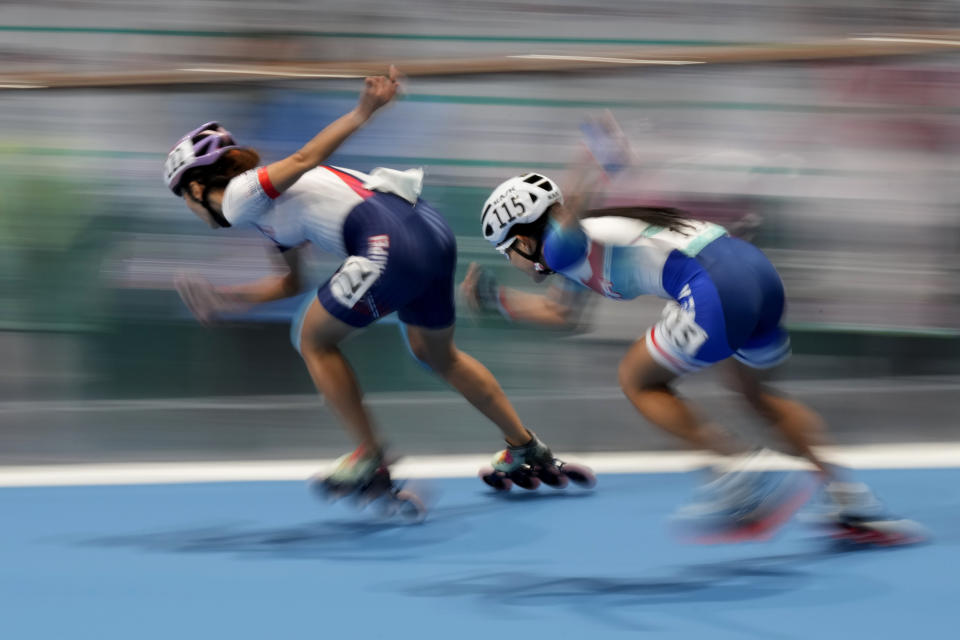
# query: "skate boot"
365, 476
742, 504
855, 518
354, 472
530, 464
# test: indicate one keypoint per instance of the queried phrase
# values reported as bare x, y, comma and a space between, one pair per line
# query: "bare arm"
607, 151
558, 309
377, 92
578, 191
269, 288
207, 301
549, 310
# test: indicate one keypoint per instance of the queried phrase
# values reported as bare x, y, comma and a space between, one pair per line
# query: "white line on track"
879, 456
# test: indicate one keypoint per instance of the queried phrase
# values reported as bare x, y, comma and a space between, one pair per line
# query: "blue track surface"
265, 560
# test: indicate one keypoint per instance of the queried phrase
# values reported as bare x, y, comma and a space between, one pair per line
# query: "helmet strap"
204, 202
536, 257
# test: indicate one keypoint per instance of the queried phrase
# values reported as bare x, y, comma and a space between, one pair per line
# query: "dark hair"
533, 230
670, 218
220, 173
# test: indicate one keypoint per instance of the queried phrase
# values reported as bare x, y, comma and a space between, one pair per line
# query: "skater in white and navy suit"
398, 253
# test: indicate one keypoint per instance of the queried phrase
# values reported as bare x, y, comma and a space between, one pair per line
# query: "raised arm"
606, 152
377, 92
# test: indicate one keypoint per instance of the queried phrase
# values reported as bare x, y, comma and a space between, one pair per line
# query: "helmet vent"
546, 186
532, 178
488, 230
533, 197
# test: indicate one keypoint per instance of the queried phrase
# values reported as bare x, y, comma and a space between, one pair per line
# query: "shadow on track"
359, 537
621, 601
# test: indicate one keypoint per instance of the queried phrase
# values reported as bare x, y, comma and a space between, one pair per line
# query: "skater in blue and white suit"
725, 305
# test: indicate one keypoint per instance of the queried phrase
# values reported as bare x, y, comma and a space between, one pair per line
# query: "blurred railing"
873, 45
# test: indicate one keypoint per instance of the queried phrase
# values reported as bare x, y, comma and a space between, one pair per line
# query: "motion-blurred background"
844, 170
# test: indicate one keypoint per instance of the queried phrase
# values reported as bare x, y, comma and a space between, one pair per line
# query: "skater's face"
528, 246
193, 196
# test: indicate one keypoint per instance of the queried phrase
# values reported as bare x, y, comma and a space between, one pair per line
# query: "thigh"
691, 333
432, 347
434, 306
639, 369
321, 329
389, 273
765, 349
359, 292
296, 323
404, 260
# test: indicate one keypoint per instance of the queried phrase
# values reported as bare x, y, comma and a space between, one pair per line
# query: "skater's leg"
647, 385
850, 510
332, 374
436, 349
802, 428
738, 504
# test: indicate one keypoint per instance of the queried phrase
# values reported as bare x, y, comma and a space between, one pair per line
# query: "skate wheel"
553, 477
326, 491
378, 486
495, 479
580, 475
408, 507
525, 479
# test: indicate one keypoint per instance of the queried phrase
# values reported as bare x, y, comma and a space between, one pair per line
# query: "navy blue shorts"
729, 301
402, 258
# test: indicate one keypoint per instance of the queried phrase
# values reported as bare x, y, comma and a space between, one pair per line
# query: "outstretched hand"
378, 91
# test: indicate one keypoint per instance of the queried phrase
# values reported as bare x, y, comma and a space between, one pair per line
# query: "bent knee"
311, 343
418, 349
633, 376
627, 375
440, 359
440, 362
772, 407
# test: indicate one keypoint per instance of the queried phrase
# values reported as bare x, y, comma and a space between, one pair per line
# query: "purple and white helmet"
203, 146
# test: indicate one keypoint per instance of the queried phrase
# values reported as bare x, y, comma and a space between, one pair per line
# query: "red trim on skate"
358, 452
762, 529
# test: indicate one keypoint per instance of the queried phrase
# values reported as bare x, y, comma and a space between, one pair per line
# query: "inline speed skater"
398, 254
725, 305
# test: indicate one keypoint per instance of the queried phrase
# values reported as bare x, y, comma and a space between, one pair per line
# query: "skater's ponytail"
676, 220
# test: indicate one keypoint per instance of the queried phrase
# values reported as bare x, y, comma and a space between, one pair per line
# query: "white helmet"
519, 200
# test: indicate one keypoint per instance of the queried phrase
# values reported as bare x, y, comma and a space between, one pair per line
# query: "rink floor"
266, 560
